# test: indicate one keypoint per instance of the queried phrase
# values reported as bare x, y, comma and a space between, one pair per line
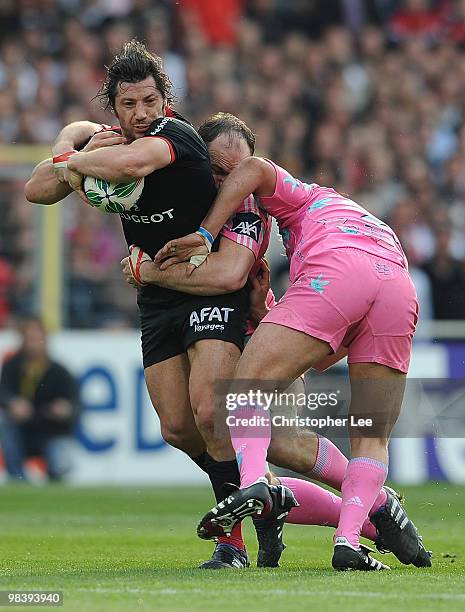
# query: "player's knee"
177, 437
278, 452
204, 408
205, 419
283, 453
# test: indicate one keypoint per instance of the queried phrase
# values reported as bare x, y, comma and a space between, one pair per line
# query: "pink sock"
250, 439
330, 468
330, 465
318, 506
379, 501
362, 483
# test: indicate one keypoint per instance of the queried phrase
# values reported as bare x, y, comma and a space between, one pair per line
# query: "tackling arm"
253, 175
224, 271
45, 185
123, 163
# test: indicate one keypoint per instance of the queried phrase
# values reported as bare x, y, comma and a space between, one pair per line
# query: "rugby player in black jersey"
179, 188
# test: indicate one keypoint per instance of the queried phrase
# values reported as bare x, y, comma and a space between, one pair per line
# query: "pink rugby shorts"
350, 298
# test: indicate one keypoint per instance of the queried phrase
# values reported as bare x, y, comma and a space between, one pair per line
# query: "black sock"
200, 460
220, 473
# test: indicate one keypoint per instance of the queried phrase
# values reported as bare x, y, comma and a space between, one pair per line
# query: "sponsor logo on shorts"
155, 218
382, 268
318, 284
210, 318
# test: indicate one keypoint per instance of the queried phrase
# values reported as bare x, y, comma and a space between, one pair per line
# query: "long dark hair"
132, 64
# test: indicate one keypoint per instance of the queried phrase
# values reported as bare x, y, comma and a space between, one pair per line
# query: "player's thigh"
276, 352
213, 336
168, 387
377, 392
211, 362
291, 446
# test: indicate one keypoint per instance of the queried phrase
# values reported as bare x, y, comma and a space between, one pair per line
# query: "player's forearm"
243, 180
43, 187
114, 164
74, 136
204, 280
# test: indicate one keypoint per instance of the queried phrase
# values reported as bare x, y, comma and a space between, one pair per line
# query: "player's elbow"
234, 280
29, 192
33, 194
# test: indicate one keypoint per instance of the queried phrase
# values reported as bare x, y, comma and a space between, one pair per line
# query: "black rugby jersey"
174, 200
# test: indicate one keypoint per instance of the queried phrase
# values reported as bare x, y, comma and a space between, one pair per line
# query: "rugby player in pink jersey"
349, 287
315, 457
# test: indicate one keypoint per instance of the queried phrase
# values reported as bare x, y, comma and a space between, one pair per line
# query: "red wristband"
61, 161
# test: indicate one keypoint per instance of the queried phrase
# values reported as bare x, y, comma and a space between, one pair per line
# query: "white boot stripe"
395, 505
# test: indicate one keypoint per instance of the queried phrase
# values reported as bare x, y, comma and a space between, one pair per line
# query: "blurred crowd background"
367, 96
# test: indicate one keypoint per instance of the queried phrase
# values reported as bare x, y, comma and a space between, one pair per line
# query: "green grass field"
124, 549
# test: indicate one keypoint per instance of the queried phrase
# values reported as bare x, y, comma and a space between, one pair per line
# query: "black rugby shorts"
169, 331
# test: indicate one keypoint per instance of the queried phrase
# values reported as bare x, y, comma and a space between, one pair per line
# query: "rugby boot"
226, 556
398, 534
269, 529
348, 558
220, 520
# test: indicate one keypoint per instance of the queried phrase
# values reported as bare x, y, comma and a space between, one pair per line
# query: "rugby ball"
112, 197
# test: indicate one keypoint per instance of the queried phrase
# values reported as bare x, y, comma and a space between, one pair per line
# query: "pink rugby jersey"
251, 227
313, 219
